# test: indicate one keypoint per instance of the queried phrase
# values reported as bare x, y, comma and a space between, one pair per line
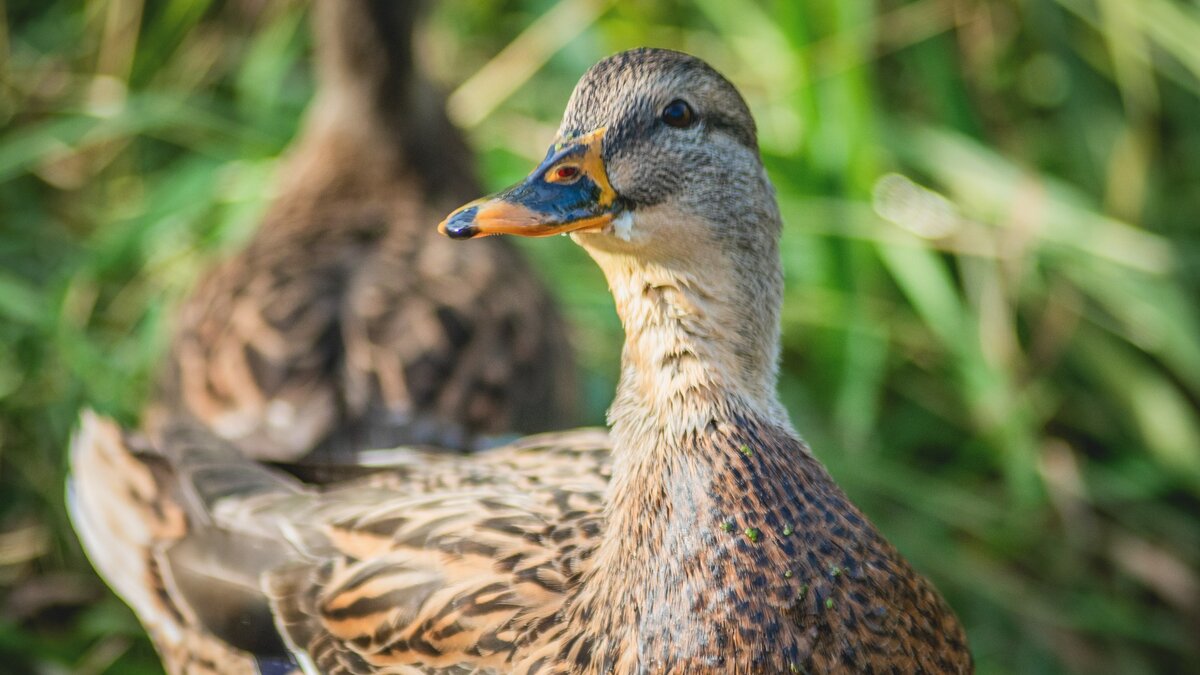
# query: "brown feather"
347, 323
491, 563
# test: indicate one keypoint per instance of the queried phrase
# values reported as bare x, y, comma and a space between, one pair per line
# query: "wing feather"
445, 565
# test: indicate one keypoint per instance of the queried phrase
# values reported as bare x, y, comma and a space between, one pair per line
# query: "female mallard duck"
347, 322
708, 540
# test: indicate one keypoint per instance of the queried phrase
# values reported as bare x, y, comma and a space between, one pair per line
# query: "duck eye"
565, 173
678, 114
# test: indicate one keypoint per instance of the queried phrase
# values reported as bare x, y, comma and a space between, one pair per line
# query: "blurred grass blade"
19, 300
993, 187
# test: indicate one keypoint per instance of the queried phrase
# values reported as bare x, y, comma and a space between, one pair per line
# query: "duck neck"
374, 112
696, 362
704, 465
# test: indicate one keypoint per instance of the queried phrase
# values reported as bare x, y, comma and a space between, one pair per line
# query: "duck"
346, 322
698, 534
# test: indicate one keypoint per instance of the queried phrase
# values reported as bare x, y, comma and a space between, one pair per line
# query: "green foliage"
991, 330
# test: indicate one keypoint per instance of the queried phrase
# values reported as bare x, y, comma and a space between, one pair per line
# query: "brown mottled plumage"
701, 537
347, 322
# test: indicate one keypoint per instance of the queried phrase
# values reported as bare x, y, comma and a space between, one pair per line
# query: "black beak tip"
462, 224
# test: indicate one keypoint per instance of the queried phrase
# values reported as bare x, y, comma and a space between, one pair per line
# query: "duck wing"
442, 564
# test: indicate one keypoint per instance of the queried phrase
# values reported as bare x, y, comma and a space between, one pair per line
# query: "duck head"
656, 149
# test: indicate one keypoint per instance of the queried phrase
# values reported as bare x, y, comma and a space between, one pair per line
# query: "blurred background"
991, 331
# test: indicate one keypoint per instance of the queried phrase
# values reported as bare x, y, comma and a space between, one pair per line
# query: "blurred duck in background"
701, 536
347, 322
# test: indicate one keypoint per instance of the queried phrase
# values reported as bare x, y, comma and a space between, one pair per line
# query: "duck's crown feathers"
628, 89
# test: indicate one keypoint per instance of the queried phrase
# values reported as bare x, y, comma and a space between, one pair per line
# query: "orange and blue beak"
568, 192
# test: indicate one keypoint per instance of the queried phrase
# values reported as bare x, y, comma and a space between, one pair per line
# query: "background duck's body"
347, 323
702, 538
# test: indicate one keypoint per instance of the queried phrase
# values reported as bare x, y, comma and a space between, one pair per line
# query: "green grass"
991, 333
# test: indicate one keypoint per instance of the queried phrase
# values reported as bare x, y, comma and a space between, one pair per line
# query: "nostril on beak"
462, 224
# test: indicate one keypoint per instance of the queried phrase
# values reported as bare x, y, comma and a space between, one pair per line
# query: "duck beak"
568, 192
